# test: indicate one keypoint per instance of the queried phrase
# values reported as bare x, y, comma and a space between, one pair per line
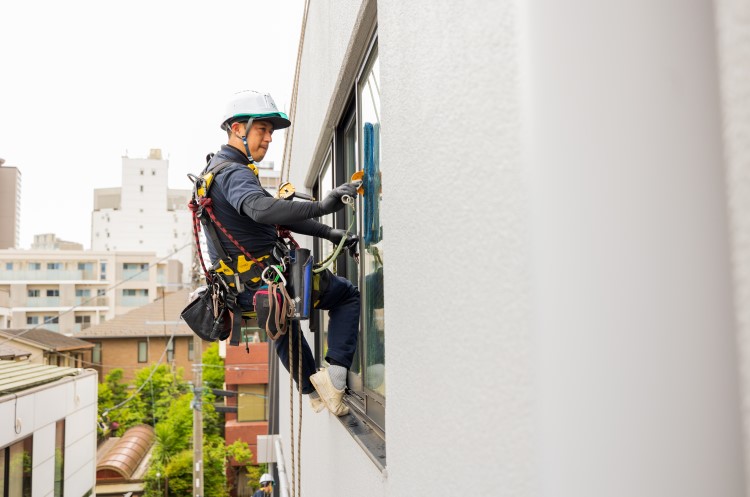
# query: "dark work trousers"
341, 300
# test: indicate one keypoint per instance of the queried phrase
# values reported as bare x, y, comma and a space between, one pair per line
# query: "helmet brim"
277, 120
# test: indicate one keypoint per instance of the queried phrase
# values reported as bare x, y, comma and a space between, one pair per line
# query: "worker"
266, 486
250, 214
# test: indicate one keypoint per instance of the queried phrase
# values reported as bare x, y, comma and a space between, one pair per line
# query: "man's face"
259, 139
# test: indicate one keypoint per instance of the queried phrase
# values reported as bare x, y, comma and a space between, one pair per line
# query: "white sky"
84, 82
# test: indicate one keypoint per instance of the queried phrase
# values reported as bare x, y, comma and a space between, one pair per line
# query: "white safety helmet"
266, 478
249, 104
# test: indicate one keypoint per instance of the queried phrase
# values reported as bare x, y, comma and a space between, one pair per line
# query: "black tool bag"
208, 314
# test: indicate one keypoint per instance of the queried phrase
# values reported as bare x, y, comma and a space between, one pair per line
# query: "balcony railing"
133, 301
43, 302
46, 275
135, 274
98, 301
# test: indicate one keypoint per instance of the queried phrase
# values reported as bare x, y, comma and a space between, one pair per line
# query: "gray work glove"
333, 203
352, 241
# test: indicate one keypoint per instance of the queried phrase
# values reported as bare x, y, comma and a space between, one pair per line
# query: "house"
566, 309
141, 338
49, 347
48, 438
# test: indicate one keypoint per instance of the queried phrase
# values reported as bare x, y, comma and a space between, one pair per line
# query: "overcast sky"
83, 83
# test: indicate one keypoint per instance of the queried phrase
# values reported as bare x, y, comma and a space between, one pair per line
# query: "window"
252, 402
101, 292
30, 320
35, 266
356, 146
131, 292
142, 351
54, 266
33, 293
59, 458
191, 350
84, 321
83, 292
85, 266
96, 353
141, 188
53, 293
15, 468
102, 270
51, 319
170, 350
9, 266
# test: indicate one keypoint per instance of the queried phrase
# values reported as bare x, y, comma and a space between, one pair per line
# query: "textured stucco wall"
458, 345
733, 43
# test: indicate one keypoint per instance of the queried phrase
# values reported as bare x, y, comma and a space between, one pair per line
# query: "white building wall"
733, 43
581, 341
144, 220
37, 410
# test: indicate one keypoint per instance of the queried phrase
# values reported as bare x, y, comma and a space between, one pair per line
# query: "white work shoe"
332, 398
317, 404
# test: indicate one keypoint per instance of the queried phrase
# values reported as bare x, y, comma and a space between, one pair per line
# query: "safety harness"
229, 276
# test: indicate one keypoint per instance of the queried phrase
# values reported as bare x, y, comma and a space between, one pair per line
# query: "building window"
252, 404
9, 266
51, 319
131, 292
141, 172
54, 266
84, 321
170, 350
83, 292
141, 188
31, 320
53, 293
35, 266
59, 458
357, 146
142, 351
96, 353
191, 350
33, 293
101, 292
15, 468
102, 270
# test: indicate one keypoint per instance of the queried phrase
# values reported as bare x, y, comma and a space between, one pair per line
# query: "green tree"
213, 367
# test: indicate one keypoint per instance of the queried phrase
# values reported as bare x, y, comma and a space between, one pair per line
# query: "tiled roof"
127, 453
22, 375
45, 339
147, 320
10, 353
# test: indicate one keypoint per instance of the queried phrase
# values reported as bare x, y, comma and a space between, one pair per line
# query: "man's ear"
239, 129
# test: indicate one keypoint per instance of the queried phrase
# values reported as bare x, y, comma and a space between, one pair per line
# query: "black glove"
352, 241
333, 203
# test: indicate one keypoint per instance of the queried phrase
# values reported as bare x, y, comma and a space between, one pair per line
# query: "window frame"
138, 350
368, 403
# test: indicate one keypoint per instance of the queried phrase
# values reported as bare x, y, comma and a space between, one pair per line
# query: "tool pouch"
269, 308
207, 316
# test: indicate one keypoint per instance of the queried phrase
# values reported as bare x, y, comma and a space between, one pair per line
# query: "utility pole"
197, 417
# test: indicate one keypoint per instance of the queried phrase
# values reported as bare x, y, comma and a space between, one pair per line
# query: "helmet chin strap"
244, 141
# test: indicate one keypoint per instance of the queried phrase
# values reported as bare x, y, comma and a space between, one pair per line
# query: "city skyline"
126, 80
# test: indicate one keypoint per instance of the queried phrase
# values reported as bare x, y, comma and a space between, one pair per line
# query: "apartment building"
144, 214
10, 206
69, 290
566, 309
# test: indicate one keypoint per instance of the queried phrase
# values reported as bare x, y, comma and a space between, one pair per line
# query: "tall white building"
144, 214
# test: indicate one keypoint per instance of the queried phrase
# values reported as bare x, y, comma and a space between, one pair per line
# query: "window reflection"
372, 231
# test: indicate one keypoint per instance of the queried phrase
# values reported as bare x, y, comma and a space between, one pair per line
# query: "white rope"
288, 138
